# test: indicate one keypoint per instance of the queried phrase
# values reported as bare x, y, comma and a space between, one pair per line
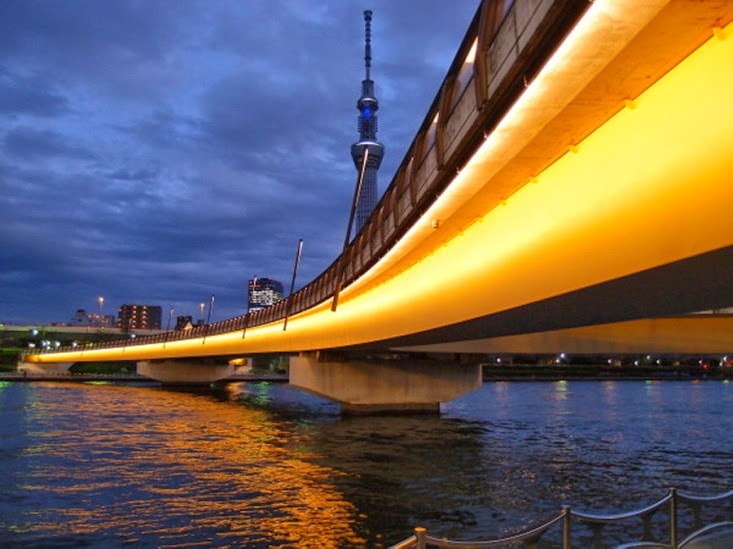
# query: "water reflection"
265, 465
578, 443
181, 468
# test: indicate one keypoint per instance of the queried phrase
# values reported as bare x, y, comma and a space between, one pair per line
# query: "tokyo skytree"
367, 106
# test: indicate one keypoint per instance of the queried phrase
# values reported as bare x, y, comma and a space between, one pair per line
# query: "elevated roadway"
574, 170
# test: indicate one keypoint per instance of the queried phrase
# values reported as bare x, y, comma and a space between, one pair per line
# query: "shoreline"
487, 376
124, 378
603, 373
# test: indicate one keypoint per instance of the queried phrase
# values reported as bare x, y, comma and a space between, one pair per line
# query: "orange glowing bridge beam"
630, 220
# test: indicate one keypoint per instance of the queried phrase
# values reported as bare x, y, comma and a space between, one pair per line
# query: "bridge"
573, 173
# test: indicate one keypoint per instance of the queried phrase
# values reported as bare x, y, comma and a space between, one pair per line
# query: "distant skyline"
161, 152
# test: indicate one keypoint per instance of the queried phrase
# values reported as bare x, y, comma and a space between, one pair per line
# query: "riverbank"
524, 372
506, 373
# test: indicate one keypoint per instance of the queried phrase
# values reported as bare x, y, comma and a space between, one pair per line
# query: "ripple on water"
264, 465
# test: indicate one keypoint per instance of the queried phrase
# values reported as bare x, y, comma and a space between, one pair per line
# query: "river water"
265, 465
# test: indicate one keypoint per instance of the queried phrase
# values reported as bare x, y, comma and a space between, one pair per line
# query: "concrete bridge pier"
367, 387
44, 368
184, 372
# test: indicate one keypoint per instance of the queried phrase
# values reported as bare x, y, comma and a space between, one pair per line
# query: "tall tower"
367, 106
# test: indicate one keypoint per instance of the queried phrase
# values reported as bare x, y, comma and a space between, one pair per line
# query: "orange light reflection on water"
224, 471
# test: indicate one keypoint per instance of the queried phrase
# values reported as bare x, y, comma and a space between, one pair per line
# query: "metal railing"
653, 527
512, 39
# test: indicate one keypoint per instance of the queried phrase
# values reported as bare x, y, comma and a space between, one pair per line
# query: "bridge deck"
579, 196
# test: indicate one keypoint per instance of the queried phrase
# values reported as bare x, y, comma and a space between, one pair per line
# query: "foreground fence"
676, 521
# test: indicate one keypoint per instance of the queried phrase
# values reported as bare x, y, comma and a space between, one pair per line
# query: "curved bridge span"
573, 170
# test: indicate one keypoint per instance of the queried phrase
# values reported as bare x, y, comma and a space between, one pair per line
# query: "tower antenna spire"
367, 41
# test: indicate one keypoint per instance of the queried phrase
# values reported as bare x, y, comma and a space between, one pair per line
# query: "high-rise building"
367, 106
139, 317
263, 292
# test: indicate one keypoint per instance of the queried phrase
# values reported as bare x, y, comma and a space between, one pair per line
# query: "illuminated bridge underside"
670, 290
690, 335
603, 196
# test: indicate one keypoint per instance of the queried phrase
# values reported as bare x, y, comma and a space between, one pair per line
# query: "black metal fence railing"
676, 521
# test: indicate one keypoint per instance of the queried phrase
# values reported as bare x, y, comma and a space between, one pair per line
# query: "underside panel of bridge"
694, 335
695, 284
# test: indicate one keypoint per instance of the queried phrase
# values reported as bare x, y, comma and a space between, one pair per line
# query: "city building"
184, 322
139, 317
82, 318
367, 106
263, 292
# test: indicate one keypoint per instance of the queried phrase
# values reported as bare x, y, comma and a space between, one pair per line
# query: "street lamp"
170, 316
211, 306
202, 306
100, 300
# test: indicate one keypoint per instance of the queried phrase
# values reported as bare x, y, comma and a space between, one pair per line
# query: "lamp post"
299, 251
168, 328
208, 319
202, 306
100, 300
211, 306
170, 316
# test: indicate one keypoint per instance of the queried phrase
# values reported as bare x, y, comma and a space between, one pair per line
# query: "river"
265, 465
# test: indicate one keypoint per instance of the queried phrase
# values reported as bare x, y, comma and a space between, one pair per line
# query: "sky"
158, 152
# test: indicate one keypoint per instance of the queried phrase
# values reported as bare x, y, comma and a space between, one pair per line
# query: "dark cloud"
29, 95
30, 143
159, 152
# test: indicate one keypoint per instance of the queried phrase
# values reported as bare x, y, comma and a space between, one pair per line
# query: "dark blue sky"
157, 152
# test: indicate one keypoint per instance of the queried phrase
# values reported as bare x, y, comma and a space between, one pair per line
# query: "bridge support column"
176, 372
44, 368
365, 387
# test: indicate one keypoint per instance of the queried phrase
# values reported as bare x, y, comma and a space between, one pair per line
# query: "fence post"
673, 518
420, 534
566, 527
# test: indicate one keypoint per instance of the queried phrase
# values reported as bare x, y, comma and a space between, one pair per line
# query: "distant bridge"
574, 170
63, 331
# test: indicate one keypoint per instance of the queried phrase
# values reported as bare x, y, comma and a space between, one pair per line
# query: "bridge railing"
661, 524
506, 43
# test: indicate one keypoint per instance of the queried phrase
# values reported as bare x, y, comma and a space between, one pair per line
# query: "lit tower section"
368, 106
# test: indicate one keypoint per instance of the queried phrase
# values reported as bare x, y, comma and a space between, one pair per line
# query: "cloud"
158, 152
29, 96
30, 143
